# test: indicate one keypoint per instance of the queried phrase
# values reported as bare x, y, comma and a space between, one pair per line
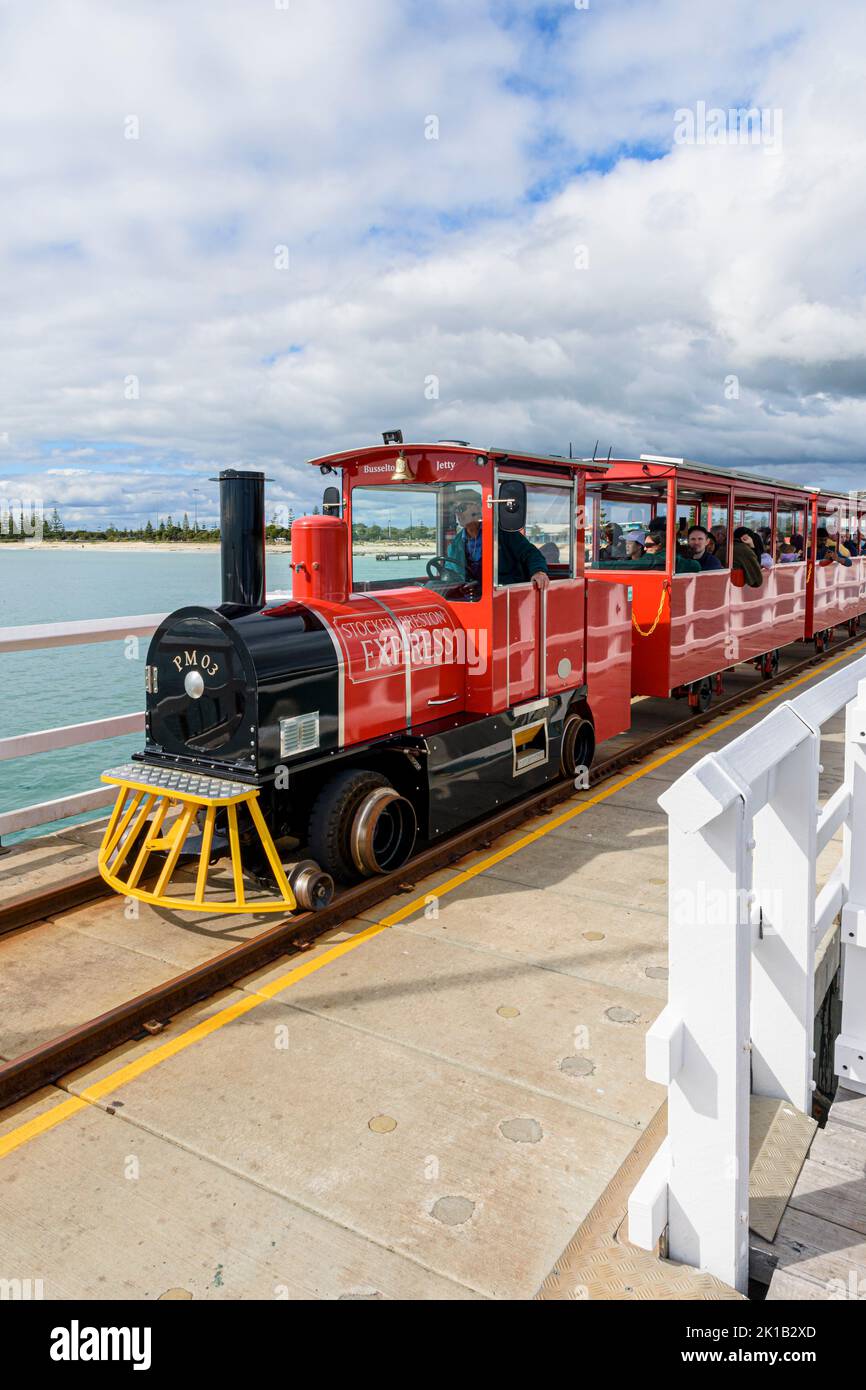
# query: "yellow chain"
648, 632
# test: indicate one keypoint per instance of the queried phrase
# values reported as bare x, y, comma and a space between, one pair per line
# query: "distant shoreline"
137, 547
203, 547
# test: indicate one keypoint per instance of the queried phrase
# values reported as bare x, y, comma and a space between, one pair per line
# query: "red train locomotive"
465, 625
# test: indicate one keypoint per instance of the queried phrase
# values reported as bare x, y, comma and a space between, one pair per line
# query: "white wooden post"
707, 1069
783, 950
851, 1043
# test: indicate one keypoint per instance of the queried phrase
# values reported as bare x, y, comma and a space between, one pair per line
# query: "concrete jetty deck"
428, 1104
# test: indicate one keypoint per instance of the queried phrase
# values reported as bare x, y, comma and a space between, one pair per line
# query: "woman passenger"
615, 547
746, 557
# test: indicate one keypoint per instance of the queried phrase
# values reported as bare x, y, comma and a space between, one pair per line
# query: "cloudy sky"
253, 231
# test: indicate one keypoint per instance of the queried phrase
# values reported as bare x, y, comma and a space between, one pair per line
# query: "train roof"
375, 451
653, 465
665, 465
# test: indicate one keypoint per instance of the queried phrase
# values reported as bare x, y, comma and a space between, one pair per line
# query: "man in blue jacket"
519, 559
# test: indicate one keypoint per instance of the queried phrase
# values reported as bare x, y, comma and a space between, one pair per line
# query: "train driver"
519, 559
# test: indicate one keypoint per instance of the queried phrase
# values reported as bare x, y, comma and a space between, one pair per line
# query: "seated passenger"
519, 559
745, 558
614, 547
798, 543
699, 542
828, 552
655, 557
720, 536
787, 554
634, 544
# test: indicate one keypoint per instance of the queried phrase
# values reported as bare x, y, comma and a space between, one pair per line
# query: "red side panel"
769, 617
840, 593
717, 621
608, 655
563, 640
403, 661
700, 620
523, 616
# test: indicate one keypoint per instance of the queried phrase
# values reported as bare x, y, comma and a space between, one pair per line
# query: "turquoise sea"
69, 685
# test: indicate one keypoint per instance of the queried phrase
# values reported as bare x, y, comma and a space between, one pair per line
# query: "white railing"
21, 639
745, 830
41, 635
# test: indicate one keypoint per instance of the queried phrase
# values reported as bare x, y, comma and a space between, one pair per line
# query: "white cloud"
153, 258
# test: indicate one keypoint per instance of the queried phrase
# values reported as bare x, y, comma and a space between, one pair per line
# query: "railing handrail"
29, 637
745, 831
32, 637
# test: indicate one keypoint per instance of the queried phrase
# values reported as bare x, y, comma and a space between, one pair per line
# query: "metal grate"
173, 779
299, 735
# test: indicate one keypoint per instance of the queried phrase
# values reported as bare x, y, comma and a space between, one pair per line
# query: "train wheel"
313, 889
770, 664
701, 695
360, 825
578, 745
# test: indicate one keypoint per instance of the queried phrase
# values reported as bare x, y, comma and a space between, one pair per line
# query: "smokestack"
242, 537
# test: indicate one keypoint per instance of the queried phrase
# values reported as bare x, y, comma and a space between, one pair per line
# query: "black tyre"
360, 826
577, 749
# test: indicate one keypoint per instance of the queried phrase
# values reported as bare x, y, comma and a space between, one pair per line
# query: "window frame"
563, 484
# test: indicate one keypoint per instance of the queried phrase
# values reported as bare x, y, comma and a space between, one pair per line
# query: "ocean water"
69, 685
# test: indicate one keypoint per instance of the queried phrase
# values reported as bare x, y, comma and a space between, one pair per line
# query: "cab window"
549, 526
418, 535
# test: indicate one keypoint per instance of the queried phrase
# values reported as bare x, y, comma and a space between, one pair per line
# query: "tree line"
19, 526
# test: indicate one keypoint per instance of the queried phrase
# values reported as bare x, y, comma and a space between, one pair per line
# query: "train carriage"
688, 628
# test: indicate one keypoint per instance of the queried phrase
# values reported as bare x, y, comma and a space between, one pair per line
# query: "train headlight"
193, 684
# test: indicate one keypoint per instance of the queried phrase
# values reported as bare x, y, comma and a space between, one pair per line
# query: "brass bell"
402, 471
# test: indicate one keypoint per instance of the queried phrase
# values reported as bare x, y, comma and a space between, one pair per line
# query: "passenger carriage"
689, 628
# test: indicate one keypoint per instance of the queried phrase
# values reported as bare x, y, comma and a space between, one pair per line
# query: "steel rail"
150, 1011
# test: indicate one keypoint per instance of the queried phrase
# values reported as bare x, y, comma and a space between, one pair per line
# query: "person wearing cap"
698, 539
634, 544
519, 559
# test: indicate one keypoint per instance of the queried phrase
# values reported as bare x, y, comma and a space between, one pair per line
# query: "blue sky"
467, 218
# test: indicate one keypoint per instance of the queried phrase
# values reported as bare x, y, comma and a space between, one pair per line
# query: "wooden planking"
821, 1243
849, 1108
817, 1252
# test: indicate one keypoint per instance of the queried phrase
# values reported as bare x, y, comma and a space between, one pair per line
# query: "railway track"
150, 1011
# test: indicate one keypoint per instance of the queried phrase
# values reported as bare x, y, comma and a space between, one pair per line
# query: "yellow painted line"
115, 1079
41, 1124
